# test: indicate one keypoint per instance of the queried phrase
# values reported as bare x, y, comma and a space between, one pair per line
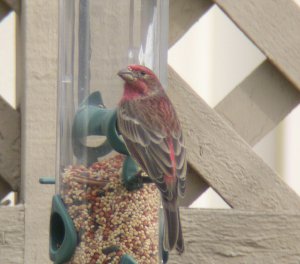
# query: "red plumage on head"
141, 68
140, 81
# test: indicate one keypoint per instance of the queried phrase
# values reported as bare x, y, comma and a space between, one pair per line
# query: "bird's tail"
172, 227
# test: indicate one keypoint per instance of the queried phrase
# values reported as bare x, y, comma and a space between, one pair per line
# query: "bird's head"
140, 79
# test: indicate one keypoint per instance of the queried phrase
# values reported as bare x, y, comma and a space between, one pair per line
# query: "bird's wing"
153, 148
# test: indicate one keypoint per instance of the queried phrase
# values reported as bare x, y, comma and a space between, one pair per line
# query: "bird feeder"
105, 210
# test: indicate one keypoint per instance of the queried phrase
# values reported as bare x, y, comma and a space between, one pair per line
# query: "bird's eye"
143, 73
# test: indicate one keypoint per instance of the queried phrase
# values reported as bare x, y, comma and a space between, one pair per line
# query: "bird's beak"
126, 75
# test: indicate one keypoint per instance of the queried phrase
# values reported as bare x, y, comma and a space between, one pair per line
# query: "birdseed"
110, 221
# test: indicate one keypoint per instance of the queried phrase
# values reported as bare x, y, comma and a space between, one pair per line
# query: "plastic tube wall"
96, 40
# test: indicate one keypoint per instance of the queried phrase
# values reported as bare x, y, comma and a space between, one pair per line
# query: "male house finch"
151, 130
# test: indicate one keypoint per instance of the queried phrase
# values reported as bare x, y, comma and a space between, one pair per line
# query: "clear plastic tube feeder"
102, 212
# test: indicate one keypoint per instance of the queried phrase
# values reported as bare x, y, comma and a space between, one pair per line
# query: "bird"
152, 133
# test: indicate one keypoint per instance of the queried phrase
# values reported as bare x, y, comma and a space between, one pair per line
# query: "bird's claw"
136, 181
132, 176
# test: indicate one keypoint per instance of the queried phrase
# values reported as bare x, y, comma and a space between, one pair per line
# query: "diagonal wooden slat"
195, 186
265, 75
252, 126
234, 237
253, 109
259, 103
274, 27
183, 14
224, 159
10, 144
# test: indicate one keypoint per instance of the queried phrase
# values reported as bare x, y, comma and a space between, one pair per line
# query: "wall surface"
39, 81
12, 235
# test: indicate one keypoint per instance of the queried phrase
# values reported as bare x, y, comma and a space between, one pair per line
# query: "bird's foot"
132, 176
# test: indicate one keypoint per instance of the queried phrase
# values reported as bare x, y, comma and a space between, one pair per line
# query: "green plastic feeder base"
63, 236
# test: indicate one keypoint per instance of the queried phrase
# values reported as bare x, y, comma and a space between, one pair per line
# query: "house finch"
151, 130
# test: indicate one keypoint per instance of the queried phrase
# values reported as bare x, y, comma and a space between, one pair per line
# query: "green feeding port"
92, 119
63, 236
57, 231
